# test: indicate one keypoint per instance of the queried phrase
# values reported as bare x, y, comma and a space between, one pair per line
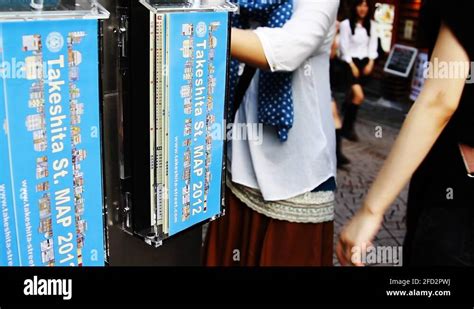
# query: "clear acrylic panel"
158, 6
15, 10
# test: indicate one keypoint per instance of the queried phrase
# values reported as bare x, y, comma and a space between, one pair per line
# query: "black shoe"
348, 124
350, 135
341, 158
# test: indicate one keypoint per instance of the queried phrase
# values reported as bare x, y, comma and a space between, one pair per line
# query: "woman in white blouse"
280, 195
358, 43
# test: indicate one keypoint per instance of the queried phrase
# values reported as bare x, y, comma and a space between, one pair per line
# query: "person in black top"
440, 219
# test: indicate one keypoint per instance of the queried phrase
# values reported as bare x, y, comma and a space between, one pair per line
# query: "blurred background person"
358, 46
335, 62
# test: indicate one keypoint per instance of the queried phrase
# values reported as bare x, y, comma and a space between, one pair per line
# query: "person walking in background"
359, 50
280, 192
341, 158
440, 210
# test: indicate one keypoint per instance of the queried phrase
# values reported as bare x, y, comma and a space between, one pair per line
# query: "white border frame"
410, 65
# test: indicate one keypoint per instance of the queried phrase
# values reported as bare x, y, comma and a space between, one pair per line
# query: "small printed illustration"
213, 26
210, 120
35, 122
212, 82
186, 212
188, 106
75, 37
42, 167
186, 91
187, 142
188, 75
212, 68
74, 74
42, 187
40, 142
74, 92
46, 227
79, 202
186, 194
188, 29
187, 158
187, 173
36, 96
212, 42
74, 58
45, 206
32, 43
34, 67
188, 126
187, 48
47, 252
210, 103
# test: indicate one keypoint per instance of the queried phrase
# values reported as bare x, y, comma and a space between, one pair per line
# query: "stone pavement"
377, 127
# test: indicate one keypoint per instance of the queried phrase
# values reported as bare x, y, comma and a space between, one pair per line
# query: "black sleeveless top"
459, 17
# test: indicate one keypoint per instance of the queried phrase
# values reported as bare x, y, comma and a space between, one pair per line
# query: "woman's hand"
355, 70
369, 68
357, 236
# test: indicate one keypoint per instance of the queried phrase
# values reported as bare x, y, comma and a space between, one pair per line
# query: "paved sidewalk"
367, 157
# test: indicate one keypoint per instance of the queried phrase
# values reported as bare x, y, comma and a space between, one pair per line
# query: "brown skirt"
244, 237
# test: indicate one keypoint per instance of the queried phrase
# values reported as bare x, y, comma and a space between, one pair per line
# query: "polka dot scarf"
275, 96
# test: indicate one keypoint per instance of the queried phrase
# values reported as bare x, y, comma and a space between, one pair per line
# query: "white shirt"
282, 170
358, 45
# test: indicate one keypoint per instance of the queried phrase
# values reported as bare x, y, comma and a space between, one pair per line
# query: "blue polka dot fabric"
275, 96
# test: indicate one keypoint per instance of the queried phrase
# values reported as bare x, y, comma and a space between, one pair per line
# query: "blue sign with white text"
51, 100
197, 83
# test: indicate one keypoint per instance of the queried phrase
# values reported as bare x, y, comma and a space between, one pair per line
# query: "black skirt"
362, 79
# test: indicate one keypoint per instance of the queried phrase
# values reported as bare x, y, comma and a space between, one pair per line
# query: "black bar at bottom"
231, 285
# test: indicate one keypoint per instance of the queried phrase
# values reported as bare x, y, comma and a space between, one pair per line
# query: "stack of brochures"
187, 103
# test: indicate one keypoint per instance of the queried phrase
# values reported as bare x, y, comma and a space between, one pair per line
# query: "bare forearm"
436, 104
423, 125
247, 48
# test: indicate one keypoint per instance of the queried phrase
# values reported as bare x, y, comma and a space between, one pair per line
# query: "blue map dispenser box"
50, 84
197, 52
